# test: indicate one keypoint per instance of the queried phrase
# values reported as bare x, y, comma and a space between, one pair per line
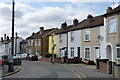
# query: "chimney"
89, 16
75, 22
33, 33
5, 37
64, 25
1, 39
41, 30
109, 9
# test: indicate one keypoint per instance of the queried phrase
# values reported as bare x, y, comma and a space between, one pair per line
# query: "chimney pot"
89, 16
5, 37
75, 22
109, 9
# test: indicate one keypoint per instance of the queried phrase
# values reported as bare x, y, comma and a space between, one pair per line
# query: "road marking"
75, 72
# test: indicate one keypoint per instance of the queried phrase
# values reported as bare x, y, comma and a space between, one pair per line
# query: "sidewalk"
6, 73
89, 72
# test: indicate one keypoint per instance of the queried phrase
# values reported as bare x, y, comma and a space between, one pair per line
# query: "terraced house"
112, 24
38, 42
83, 41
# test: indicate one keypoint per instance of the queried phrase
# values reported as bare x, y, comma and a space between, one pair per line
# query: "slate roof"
113, 11
38, 35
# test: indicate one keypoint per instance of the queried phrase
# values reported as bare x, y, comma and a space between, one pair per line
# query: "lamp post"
16, 44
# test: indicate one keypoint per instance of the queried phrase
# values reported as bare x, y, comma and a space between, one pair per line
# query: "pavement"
6, 73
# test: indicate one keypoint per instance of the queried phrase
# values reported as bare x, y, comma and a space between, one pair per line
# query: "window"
112, 25
87, 35
72, 36
60, 38
36, 42
72, 52
118, 52
87, 52
31, 42
39, 42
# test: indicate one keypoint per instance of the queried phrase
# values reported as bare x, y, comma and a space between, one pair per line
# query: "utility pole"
10, 57
16, 44
13, 8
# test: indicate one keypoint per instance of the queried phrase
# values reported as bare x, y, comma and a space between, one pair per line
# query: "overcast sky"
29, 16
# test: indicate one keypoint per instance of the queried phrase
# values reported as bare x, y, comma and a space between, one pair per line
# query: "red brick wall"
46, 59
103, 66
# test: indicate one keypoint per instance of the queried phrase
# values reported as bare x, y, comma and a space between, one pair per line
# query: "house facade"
38, 43
112, 20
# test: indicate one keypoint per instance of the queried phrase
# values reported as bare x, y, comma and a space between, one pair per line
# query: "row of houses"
6, 44
96, 37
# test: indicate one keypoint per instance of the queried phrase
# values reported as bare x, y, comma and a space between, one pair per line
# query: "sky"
31, 15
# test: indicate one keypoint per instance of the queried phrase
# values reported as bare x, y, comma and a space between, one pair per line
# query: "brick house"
38, 42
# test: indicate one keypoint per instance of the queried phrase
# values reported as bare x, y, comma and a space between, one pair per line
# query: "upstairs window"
36, 42
112, 25
87, 35
72, 36
60, 38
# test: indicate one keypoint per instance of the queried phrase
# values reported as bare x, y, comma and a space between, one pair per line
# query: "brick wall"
46, 59
103, 66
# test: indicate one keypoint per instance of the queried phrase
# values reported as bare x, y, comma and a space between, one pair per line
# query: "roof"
113, 11
38, 35
62, 30
86, 23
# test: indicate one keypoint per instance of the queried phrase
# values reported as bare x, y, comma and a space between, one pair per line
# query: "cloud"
29, 19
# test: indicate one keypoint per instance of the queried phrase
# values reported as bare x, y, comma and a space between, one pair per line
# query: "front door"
96, 54
78, 49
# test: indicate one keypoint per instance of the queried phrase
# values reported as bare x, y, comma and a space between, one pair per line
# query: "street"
37, 69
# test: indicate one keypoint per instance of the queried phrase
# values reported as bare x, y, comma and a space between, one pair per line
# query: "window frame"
86, 34
89, 52
72, 36
117, 53
115, 26
72, 52
60, 38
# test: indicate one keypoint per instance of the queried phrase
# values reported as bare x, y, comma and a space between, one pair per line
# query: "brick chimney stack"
75, 22
5, 38
109, 9
41, 30
64, 25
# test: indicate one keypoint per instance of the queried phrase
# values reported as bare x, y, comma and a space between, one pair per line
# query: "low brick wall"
46, 59
73, 60
103, 66
117, 71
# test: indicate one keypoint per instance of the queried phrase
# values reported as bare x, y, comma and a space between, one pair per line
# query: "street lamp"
53, 47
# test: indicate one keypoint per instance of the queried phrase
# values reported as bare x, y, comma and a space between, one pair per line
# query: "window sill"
113, 33
118, 59
87, 40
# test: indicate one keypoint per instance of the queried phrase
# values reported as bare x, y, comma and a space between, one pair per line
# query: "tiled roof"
86, 23
38, 35
113, 11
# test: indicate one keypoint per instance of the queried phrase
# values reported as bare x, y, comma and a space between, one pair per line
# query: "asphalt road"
37, 70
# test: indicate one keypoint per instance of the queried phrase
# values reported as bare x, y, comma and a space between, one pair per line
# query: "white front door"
96, 56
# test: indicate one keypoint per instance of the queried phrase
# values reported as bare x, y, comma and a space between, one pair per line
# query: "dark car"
17, 60
2, 61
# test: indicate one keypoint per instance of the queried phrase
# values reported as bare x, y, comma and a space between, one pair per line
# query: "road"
37, 69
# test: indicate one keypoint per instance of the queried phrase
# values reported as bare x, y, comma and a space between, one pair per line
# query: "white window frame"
72, 52
39, 42
85, 51
117, 53
36, 42
113, 28
60, 38
72, 36
85, 34
31, 42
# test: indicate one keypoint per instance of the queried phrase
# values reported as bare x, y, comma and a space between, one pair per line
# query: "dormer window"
87, 34
112, 25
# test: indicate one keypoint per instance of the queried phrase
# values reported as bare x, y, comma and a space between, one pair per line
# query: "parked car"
2, 61
5, 57
17, 60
